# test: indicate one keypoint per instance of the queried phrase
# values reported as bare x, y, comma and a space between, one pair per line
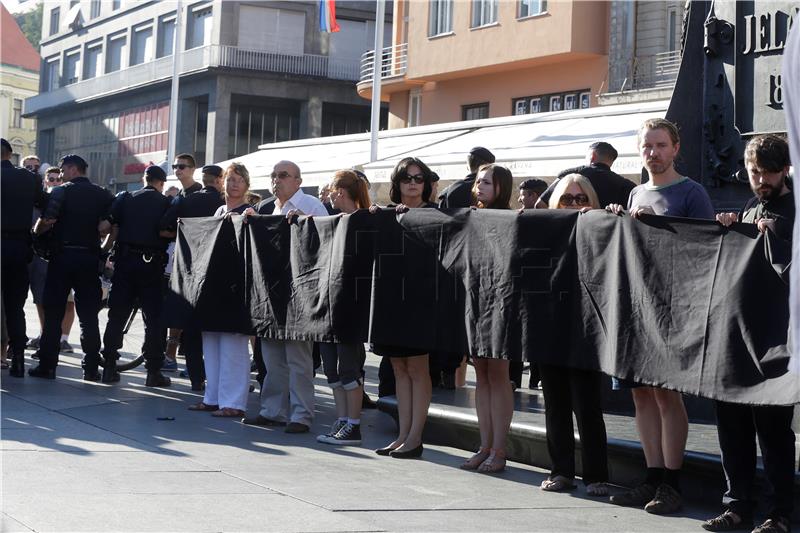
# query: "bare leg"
674, 426
483, 401
354, 400
420, 399
461, 374
648, 423
40, 312
340, 398
502, 403
404, 393
173, 341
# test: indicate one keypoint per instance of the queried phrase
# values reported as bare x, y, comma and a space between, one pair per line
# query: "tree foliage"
30, 23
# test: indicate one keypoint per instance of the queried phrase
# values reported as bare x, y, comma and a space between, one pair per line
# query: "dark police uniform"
20, 191
140, 255
75, 266
202, 203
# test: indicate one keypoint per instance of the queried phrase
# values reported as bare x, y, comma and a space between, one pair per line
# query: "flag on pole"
327, 16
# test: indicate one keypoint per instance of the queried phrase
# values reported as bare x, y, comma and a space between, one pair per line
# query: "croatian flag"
327, 16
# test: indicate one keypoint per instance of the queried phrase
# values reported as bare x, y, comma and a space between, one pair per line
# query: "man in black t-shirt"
459, 194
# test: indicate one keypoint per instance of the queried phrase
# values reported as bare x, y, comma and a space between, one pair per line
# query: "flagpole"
173, 98
377, 63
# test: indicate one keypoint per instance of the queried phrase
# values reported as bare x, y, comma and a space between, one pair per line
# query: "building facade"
19, 79
251, 73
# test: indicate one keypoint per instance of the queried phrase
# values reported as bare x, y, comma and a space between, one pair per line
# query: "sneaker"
184, 373
66, 347
349, 435
774, 525
727, 521
666, 501
33, 344
636, 497
335, 427
169, 365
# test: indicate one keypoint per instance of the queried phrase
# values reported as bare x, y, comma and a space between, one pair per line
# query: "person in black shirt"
140, 255
766, 159
20, 192
77, 213
459, 194
611, 187
183, 167
204, 202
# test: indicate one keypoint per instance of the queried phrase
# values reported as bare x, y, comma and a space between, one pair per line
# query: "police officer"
202, 203
140, 255
77, 214
459, 194
21, 191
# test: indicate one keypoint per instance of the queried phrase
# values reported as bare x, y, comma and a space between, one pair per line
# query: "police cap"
154, 172
214, 170
482, 153
6, 145
73, 159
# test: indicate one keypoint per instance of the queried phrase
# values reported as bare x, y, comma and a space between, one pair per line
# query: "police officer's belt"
147, 253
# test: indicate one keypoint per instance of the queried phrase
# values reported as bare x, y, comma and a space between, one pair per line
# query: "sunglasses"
417, 178
53, 180
32, 168
578, 199
180, 166
281, 175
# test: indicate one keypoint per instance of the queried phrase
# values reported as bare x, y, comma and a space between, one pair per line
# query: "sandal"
228, 412
203, 407
558, 484
496, 462
476, 460
598, 488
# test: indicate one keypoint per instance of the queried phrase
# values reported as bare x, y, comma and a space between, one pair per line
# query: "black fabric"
266, 207
79, 214
611, 188
20, 191
139, 215
683, 304
458, 195
780, 209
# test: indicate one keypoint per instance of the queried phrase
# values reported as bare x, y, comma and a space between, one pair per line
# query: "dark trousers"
737, 427
16, 254
192, 346
568, 390
136, 281
71, 269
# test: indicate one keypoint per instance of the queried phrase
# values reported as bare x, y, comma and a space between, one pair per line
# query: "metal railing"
657, 71
394, 62
196, 59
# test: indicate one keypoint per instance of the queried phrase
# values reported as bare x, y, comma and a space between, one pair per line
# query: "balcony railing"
394, 62
657, 71
194, 60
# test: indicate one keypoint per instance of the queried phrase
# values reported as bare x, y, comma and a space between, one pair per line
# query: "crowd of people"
77, 221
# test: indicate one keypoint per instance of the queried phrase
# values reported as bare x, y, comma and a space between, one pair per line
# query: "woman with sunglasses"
494, 396
568, 390
411, 188
342, 361
225, 355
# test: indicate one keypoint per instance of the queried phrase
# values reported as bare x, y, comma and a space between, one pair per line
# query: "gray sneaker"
33, 344
66, 347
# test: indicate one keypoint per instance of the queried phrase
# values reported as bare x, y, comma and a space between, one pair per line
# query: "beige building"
19, 79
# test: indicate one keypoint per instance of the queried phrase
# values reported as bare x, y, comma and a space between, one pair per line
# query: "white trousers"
288, 391
227, 362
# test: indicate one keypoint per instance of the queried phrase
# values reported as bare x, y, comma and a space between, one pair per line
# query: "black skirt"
397, 351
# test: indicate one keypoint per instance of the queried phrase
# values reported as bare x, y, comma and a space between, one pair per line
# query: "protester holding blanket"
568, 390
225, 355
494, 399
660, 413
772, 208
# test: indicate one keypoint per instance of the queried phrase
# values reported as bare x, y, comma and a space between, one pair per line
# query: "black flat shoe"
385, 451
157, 379
39, 372
409, 454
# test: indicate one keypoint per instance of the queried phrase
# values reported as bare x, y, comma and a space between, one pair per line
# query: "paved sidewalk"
81, 456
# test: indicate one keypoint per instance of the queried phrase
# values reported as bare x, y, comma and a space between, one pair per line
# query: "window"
52, 72
528, 8
91, 60
571, 101
586, 101
475, 111
199, 27
555, 103
521, 107
440, 17
166, 36
115, 51
71, 67
142, 45
484, 12
251, 126
16, 116
115, 4
55, 15
535, 105
73, 3
414, 105
672, 29
94, 10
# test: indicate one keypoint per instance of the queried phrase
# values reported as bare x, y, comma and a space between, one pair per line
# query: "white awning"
540, 145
